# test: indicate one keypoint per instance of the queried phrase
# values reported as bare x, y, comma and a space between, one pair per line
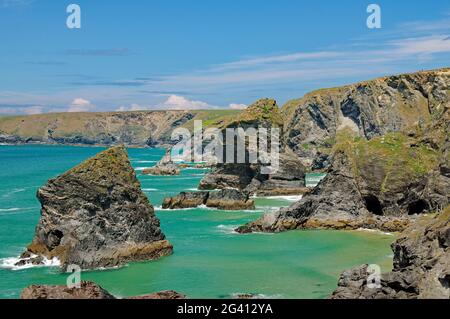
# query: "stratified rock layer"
421, 266
96, 215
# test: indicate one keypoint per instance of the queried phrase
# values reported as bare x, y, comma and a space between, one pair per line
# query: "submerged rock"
96, 215
421, 266
87, 290
225, 199
162, 170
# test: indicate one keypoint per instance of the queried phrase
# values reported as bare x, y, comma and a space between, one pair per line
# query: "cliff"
370, 109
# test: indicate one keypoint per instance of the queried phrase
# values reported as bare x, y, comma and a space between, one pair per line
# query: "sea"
210, 260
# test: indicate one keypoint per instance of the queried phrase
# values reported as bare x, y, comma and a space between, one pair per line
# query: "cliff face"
141, 128
370, 109
376, 184
95, 215
421, 266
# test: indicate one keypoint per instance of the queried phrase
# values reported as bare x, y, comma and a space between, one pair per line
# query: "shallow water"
209, 260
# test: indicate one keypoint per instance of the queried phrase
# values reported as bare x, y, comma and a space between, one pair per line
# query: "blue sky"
173, 54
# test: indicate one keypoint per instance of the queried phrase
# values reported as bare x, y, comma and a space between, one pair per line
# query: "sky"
202, 54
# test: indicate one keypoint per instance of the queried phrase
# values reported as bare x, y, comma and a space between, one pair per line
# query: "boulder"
225, 199
96, 215
87, 290
421, 266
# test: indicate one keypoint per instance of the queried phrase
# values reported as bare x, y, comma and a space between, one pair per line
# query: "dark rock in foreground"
88, 290
225, 199
96, 215
421, 266
169, 295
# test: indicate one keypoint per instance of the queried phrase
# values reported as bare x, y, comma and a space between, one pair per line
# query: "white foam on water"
376, 231
10, 263
140, 168
150, 189
257, 296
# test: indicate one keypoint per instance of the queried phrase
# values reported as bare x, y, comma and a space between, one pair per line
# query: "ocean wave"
14, 191
14, 209
228, 229
140, 168
256, 296
150, 189
145, 162
10, 263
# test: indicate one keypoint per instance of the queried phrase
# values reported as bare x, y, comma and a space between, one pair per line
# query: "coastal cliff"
139, 128
96, 215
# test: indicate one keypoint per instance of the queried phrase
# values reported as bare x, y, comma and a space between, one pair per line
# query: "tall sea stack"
96, 215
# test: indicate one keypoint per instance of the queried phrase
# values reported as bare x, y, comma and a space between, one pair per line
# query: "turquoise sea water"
209, 260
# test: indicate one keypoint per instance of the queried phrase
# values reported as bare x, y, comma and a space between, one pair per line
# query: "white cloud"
80, 105
176, 102
34, 110
234, 106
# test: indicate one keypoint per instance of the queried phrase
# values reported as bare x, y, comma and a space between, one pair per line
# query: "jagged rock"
87, 290
96, 215
289, 179
421, 266
225, 199
169, 295
186, 200
230, 199
370, 108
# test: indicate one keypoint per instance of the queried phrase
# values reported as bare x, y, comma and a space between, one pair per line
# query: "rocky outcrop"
288, 178
225, 199
96, 215
421, 266
377, 184
138, 128
162, 170
370, 109
87, 290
